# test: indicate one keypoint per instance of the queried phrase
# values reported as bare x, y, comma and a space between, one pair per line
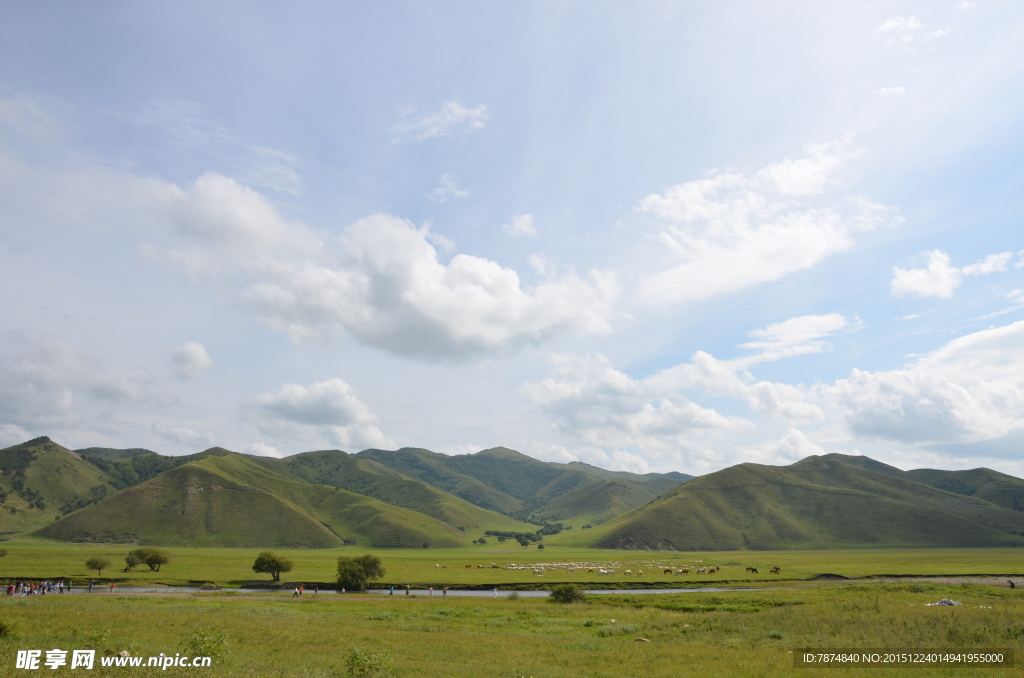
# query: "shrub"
567, 593
205, 643
365, 662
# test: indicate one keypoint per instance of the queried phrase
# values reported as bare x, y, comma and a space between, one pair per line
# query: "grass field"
232, 567
730, 633
742, 633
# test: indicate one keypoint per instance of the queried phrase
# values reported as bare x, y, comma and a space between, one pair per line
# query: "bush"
204, 643
567, 593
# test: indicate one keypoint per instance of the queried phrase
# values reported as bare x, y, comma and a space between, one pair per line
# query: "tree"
98, 564
354, 573
272, 564
150, 556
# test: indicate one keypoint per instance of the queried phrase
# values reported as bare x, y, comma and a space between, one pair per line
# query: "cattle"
468, 566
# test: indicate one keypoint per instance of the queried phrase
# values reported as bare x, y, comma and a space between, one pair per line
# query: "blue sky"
648, 236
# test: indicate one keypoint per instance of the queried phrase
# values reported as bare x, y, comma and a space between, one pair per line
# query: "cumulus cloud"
41, 383
328, 410
941, 278
191, 360
971, 389
450, 117
183, 435
733, 230
447, 190
521, 226
604, 408
394, 293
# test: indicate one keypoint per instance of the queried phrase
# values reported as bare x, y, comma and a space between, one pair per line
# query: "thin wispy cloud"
452, 117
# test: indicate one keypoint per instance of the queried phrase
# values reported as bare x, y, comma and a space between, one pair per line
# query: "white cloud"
191, 360
889, 92
261, 449
603, 408
733, 230
941, 278
393, 293
328, 410
183, 435
993, 263
12, 435
447, 190
793, 337
451, 116
521, 226
901, 30
971, 389
40, 384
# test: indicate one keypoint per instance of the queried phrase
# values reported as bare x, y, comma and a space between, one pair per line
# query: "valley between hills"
415, 498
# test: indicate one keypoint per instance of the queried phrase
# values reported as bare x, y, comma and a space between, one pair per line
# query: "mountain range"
414, 498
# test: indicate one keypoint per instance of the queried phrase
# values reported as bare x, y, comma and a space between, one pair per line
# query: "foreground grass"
737, 633
233, 566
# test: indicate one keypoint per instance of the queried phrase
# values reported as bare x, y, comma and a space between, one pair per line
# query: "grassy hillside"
40, 481
363, 476
812, 504
981, 483
512, 483
111, 453
227, 499
595, 503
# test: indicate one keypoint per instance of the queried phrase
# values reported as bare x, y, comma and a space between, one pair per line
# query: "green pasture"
726, 634
233, 566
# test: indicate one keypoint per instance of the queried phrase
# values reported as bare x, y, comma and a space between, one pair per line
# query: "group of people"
297, 593
24, 588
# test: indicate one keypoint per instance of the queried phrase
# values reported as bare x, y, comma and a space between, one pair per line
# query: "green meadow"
724, 633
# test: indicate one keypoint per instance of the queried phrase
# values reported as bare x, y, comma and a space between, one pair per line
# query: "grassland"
736, 633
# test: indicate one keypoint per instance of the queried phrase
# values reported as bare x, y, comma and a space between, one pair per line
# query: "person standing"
91, 584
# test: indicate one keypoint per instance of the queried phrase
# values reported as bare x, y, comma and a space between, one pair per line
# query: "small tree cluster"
152, 557
354, 573
272, 564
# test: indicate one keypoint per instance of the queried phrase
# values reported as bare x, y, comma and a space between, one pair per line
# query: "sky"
650, 236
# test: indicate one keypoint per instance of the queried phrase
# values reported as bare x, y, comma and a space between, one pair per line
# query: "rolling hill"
815, 503
229, 499
367, 477
512, 483
40, 481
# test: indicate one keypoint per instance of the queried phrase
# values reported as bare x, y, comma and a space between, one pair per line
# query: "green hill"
111, 453
367, 477
40, 481
228, 499
512, 483
982, 483
595, 503
816, 503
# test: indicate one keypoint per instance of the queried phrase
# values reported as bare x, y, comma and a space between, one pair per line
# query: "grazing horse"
468, 566
702, 570
685, 570
775, 570
668, 570
628, 572
753, 570
639, 573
